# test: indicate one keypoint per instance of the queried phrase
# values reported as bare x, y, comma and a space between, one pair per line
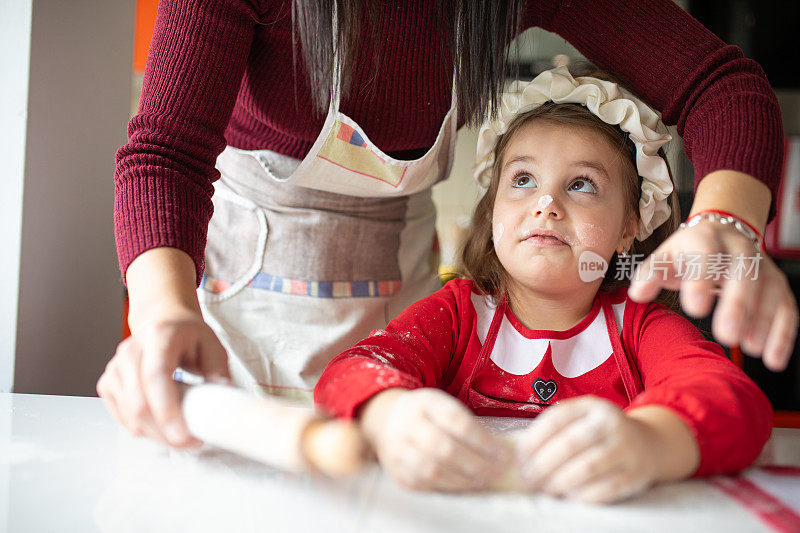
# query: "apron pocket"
237, 235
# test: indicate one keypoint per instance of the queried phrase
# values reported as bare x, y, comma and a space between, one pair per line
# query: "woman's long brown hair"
476, 33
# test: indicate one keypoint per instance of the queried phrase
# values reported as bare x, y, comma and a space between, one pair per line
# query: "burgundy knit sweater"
221, 72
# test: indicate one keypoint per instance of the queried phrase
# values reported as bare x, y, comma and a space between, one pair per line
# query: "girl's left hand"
587, 449
758, 310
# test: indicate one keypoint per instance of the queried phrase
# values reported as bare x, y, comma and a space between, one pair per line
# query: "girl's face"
560, 197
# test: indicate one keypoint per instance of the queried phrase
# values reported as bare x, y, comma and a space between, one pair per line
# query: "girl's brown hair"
479, 261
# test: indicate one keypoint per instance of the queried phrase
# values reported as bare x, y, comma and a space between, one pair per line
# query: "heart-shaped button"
545, 389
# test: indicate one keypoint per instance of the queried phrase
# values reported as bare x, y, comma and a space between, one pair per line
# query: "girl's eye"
582, 185
522, 180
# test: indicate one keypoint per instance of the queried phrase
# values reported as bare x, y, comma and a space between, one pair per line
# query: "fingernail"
731, 328
175, 432
757, 339
696, 298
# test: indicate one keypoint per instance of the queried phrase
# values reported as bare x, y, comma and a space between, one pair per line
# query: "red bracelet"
723, 217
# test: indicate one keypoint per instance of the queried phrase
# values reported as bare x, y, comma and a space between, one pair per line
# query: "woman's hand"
586, 449
756, 309
137, 386
167, 331
428, 440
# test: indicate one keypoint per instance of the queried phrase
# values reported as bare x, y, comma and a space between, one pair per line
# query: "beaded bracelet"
723, 217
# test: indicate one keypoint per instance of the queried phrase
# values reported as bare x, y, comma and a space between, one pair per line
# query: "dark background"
767, 31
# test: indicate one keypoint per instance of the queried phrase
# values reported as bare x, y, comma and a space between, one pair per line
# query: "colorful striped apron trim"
316, 289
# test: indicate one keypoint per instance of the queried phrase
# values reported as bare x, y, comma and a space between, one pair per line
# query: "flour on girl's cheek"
589, 235
497, 232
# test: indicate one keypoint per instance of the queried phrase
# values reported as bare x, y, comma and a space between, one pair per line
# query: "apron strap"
627, 370
486, 348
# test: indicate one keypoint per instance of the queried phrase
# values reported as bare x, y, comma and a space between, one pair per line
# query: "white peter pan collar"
572, 356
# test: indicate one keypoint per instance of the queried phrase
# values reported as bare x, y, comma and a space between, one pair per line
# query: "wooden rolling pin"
273, 431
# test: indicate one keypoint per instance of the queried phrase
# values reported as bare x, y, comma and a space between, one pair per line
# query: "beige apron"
305, 258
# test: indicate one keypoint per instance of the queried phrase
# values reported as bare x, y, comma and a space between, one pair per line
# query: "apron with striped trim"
305, 258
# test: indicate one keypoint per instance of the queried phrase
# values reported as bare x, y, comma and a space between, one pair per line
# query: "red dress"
629, 353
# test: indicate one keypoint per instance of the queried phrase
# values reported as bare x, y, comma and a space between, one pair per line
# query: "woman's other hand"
756, 307
758, 312
428, 440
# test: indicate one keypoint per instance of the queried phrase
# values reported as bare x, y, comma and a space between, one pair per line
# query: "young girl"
627, 394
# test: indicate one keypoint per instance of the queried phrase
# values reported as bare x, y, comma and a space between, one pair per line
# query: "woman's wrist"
161, 283
734, 192
717, 216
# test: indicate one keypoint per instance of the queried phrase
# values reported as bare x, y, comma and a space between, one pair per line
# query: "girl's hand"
587, 449
757, 310
428, 440
137, 386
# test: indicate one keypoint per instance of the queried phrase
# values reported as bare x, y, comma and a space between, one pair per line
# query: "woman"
323, 222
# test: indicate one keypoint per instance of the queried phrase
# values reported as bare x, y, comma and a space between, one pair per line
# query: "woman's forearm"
735, 192
161, 281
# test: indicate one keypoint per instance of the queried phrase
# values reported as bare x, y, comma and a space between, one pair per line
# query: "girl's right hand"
137, 386
428, 440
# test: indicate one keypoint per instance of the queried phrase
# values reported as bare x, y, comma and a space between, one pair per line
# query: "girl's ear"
628, 234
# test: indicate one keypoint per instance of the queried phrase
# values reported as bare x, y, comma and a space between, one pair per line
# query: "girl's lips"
545, 237
543, 240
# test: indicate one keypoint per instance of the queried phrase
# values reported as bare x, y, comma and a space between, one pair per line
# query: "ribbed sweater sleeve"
163, 179
217, 64
721, 102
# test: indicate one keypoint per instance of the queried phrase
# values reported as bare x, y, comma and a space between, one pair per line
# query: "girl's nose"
547, 206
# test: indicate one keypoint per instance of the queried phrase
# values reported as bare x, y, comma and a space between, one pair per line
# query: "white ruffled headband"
613, 105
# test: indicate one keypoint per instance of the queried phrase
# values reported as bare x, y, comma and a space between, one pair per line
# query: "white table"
66, 466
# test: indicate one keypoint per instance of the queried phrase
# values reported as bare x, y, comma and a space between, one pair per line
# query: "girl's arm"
670, 441
727, 414
425, 438
414, 350
698, 414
